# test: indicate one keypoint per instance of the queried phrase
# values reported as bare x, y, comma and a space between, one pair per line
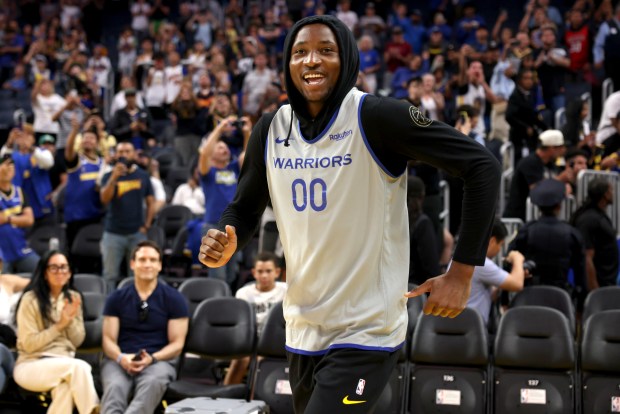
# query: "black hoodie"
396, 132
349, 68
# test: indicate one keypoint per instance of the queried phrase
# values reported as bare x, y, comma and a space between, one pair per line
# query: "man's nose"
312, 59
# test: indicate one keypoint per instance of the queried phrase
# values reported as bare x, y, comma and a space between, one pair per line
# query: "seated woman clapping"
50, 327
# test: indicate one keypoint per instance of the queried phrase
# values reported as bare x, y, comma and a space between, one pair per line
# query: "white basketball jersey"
344, 229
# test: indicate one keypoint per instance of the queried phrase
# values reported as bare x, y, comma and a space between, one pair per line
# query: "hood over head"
349, 68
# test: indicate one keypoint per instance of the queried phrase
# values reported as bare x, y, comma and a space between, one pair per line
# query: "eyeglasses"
57, 269
143, 311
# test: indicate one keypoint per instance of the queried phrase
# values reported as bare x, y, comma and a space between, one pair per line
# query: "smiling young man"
334, 164
144, 329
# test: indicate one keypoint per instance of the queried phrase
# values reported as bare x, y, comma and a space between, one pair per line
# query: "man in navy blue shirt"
144, 329
124, 190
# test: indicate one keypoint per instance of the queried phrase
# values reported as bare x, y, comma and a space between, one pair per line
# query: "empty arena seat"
547, 296
601, 299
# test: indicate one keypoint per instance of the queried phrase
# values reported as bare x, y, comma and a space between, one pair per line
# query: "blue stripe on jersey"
344, 346
372, 154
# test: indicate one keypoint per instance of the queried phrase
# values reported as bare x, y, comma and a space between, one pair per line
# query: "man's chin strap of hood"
349, 69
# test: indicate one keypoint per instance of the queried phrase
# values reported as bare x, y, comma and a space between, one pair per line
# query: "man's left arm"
398, 132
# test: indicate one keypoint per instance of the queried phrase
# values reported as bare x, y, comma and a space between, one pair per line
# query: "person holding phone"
122, 189
144, 329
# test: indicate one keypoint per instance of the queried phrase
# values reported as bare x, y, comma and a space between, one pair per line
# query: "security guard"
553, 244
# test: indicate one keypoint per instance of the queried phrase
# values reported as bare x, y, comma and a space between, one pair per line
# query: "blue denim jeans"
6, 366
26, 264
113, 248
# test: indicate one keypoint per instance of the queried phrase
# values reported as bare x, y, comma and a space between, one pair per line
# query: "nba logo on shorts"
360, 387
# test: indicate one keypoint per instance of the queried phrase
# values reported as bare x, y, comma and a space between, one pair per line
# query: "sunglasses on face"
143, 311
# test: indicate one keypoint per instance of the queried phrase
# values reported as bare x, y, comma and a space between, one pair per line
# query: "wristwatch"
154, 360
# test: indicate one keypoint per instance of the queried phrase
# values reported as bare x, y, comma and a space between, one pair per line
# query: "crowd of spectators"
98, 110
191, 78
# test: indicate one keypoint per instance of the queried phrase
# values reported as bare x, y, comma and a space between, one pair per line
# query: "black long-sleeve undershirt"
395, 133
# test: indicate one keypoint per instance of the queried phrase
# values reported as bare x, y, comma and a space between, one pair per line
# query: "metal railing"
559, 118
608, 89
507, 152
512, 227
444, 214
108, 96
569, 205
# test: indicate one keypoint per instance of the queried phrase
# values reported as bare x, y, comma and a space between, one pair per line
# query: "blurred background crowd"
94, 92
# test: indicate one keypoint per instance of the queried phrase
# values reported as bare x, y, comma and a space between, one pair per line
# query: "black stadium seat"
271, 382
548, 296
86, 249
601, 299
89, 282
600, 362
221, 329
534, 369
450, 365
171, 219
197, 289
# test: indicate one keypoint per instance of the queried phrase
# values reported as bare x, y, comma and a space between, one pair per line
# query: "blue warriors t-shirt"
82, 201
35, 182
219, 186
12, 239
126, 210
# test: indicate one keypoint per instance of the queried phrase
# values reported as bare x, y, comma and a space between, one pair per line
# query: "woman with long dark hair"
50, 327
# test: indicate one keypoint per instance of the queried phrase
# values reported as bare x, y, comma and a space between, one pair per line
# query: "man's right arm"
111, 327
109, 186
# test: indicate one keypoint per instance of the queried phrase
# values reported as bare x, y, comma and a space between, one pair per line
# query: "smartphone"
138, 356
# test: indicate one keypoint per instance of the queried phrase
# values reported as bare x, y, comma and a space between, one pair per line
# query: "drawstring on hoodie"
290, 128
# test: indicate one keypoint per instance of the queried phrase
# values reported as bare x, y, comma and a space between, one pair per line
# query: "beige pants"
69, 380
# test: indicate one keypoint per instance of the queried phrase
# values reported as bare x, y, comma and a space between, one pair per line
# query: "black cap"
548, 193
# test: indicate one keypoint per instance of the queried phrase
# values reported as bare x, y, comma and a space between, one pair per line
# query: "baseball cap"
130, 91
548, 193
435, 29
397, 29
551, 138
46, 139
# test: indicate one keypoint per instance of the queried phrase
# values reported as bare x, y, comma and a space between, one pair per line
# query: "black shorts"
341, 381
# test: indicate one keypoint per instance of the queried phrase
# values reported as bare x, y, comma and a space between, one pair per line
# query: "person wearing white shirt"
255, 84
45, 104
488, 278
263, 295
173, 77
190, 195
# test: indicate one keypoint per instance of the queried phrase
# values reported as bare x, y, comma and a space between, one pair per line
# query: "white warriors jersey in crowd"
344, 229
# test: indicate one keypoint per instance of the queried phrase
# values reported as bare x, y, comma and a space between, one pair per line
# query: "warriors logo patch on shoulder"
417, 117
